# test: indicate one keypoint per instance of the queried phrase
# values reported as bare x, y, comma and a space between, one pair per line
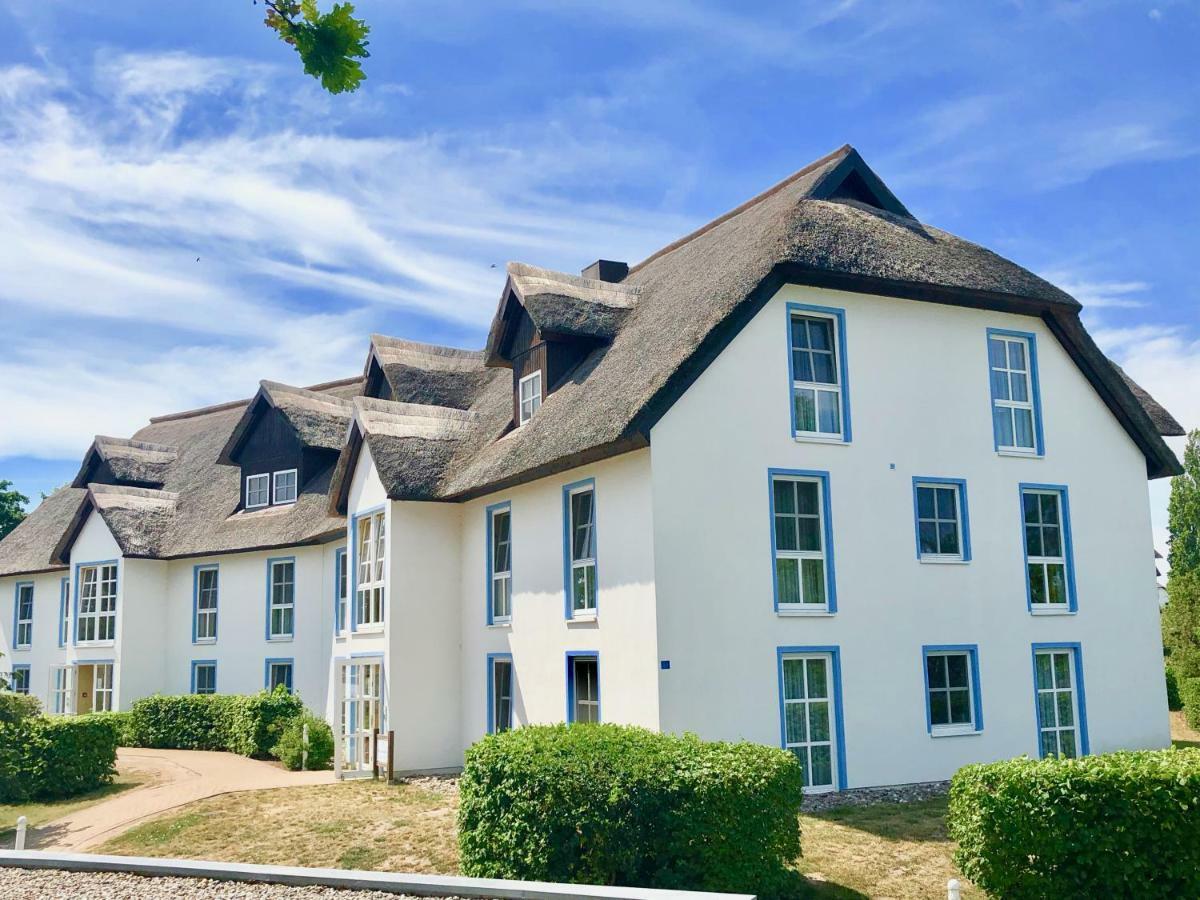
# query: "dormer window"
258, 491
530, 395
285, 487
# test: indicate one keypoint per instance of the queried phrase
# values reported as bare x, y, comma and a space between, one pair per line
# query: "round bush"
607, 804
290, 749
1116, 825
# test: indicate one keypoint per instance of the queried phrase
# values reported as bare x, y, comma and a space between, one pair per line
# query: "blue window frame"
1049, 552
581, 577
1016, 395
23, 616
802, 570
368, 583
953, 697
20, 679
64, 611
583, 686
1060, 702
278, 671
204, 676
501, 692
341, 590
818, 375
281, 598
810, 713
499, 563
941, 518
96, 588
206, 589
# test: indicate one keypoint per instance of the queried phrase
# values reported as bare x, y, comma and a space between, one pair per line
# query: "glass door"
361, 708
808, 718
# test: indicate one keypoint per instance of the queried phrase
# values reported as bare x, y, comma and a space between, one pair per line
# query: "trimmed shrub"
1174, 700
46, 758
290, 749
1189, 694
256, 722
1116, 825
121, 724
15, 707
607, 804
248, 725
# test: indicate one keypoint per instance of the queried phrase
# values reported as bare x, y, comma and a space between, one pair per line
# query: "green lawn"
40, 813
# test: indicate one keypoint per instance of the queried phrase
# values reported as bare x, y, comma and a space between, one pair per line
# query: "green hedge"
15, 707
121, 724
1174, 700
44, 758
248, 725
290, 749
1116, 825
606, 804
1189, 694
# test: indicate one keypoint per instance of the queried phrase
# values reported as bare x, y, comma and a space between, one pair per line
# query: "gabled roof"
135, 462
426, 373
319, 419
140, 519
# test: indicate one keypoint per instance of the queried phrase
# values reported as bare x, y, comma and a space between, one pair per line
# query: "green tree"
330, 44
1181, 624
12, 507
1183, 512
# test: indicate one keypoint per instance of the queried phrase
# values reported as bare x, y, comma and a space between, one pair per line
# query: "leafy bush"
256, 722
248, 725
46, 758
1174, 701
15, 707
121, 724
1116, 825
606, 804
1189, 693
290, 749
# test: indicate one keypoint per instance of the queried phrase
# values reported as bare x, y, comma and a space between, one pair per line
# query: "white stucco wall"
540, 636
44, 651
920, 401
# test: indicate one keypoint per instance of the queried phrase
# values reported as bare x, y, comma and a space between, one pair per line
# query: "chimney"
607, 270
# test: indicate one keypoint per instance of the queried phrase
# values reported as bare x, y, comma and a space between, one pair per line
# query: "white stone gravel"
904, 793
35, 884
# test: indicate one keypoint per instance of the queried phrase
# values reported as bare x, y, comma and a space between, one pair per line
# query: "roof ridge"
307, 393
133, 443
841, 151
427, 410
397, 343
234, 404
528, 270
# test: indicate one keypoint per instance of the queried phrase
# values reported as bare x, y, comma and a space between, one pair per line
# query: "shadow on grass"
919, 821
40, 813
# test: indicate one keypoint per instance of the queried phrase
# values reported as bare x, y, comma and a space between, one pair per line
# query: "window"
372, 551
361, 685
279, 672
530, 395
281, 599
499, 563
64, 612
941, 511
952, 697
1049, 579
20, 680
1058, 688
1016, 416
800, 542
102, 687
500, 693
60, 690
258, 491
808, 683
204, 677
207, 587
23, 616
583, 687
579, 502
340, 591
817, 366
97, 603
285, 486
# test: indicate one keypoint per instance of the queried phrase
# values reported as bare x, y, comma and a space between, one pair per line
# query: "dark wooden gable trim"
241, 431
343, 472
853, 179
62, 550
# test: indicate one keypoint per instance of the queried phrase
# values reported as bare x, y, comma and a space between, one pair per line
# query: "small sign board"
384, 761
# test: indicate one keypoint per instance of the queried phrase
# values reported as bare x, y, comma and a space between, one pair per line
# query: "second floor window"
530, 389
1047, 549
581, 537
97, 604
285, 487
818, 388
23, 616
342, 587
64, 612
281, 610
372, 554
207, 590
500, 564
941, 511
799, 533
258, 491
1012, 362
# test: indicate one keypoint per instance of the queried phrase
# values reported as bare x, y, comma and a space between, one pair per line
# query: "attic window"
285, 487
258, 491
530, 395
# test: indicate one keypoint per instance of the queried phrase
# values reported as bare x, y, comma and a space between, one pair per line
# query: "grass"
40, 813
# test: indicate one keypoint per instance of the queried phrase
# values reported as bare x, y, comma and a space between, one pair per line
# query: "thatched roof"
140, 519
30, 547
319, 418
131, 462
428, 374
1163, 420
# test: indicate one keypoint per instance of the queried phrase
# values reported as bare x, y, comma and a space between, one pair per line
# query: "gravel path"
28, 884
905, 793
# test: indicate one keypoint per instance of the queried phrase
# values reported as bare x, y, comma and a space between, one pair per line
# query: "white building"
817, 475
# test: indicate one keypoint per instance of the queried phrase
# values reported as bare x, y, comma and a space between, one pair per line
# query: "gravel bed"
904, 793
28, 884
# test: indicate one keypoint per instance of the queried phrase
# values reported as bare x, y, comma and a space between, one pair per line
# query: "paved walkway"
173, 778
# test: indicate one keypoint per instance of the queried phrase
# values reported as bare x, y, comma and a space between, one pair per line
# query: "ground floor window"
808, 716
361, 689
1058, 687
19, 683
952, 696
500, 693
583, 687
60, 690
204, 677
279, 673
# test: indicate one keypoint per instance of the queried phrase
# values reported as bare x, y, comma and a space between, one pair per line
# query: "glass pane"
928, 533
1024, 428
813, 572
822, 767
806, 410
799, 333
820, 333
1002, 421
787, 576
823, 369
949, 537
818, 721
1046, 716
810, 534
829, 412
785, 533
807, 496
1037, 583
1049, 508
1062, 670
996, 356
1016, 355
1042, 668
960, 707
1066, 740
1049, 744
925, 503
1029, 503
935, 671
1033, 540
793, 679
1020, 387
785, 495
939, 708
956, 670
1058, 583
1066, 709
1000, 385
1051, 540
802, 369
818, 684
947, 508
795, 723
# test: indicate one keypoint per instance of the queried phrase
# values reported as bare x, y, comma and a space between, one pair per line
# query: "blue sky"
185, 212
